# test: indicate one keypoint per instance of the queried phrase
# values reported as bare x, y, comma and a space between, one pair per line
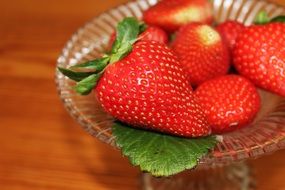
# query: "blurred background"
41, 146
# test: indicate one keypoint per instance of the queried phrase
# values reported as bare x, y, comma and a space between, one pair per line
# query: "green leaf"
278, 19
85, 86
142, 28
127, 33
76, 76
159, 154
124, 50
262, 18
96, 65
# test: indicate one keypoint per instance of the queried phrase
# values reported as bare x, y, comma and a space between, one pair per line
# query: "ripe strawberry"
143, 84
151, 33
172, 14
149, 89
202, 51
229, 101
230, 30
259, 55
154, 33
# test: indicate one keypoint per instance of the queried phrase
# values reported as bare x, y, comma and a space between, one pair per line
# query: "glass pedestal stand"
233, 177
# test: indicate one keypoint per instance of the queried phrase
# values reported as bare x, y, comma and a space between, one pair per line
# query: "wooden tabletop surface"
41, 146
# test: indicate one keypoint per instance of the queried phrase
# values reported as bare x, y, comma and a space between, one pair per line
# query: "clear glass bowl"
265, 135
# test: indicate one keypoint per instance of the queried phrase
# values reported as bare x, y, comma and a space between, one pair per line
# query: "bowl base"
232, 177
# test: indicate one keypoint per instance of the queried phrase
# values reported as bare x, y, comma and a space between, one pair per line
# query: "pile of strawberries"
203, 81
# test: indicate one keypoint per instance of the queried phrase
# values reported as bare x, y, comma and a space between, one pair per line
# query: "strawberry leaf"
142, 28
76, 76
160, 154
85, 86
262, 18
127, 33
278, 19
123, 51
96, 65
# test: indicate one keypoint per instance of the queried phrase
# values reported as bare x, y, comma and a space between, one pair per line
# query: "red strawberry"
172, 14
151, 33
202, 51
230, 102
230, 30
149, 89
259, 55
143, 84
155, 34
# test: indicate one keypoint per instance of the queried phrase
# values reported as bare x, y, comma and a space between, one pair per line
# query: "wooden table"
41, 147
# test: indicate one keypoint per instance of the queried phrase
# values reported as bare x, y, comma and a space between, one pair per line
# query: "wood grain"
41, 147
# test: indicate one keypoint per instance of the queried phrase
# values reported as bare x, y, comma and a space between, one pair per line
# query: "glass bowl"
265, 135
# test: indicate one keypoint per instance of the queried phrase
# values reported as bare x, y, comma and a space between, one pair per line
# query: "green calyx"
126, 35
263, 18
88, 74
278, 19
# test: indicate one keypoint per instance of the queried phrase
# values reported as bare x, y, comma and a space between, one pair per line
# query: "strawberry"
145, 87
202, 51
259, 55
149, 89
151, 33
154, 33
230, 102
172, 14
230, 30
